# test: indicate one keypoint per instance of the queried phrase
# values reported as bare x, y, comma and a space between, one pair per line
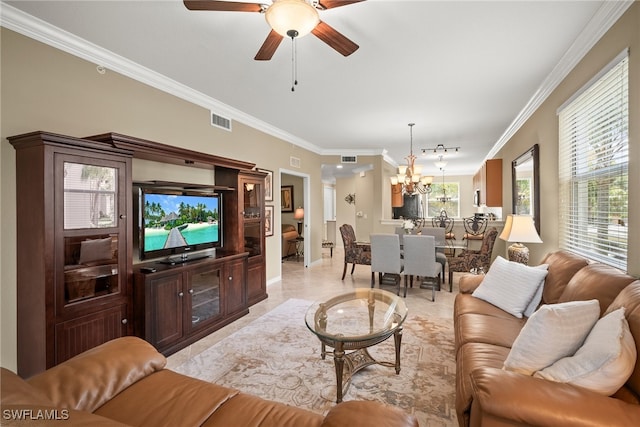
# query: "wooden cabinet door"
167, 301
256, 280
82, 333
235, 290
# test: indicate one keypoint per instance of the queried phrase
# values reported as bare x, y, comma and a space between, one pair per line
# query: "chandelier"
444, 198
409, 179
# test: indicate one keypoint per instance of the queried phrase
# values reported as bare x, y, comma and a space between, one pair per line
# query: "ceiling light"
409, 179
440, 164
440, 147
292, 18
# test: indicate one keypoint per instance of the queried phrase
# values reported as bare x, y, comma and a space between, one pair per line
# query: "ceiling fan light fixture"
289, 16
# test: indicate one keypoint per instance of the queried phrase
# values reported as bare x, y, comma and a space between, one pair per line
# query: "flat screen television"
178, 222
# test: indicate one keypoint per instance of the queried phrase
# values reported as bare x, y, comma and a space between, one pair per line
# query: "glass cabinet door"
93, 240
90, 196
252, 200
204, 291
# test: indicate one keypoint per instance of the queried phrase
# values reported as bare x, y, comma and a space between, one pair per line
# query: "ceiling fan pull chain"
294, 63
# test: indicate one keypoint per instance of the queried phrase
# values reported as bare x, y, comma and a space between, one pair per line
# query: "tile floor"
322, 281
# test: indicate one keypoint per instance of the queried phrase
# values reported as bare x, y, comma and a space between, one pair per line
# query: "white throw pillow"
510, 285
604, 362
537, 297
551, 333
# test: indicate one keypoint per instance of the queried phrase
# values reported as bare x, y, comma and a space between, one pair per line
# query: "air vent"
294, 162
220, 121
349, 159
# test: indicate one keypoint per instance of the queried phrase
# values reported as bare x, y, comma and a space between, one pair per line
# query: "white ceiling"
464, 72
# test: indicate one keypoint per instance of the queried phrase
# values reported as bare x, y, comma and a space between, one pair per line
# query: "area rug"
276, 357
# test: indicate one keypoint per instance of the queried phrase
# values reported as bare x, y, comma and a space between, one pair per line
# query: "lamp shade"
299, 213
297, 15
521, 229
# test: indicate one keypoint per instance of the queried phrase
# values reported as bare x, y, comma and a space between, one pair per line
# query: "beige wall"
542, 129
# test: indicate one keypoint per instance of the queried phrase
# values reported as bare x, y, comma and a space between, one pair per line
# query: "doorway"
301, 198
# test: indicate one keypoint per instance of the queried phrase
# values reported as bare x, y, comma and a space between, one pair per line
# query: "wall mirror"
526, 185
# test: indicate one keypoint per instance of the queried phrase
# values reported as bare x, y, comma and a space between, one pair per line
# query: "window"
445, 195
593, 167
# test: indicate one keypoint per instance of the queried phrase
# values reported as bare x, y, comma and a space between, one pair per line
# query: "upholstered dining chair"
386, 260
420, 261
469, 259
440, 240
354, 253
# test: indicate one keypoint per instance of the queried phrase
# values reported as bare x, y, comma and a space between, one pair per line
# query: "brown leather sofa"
289, 232
487, 395
123, 382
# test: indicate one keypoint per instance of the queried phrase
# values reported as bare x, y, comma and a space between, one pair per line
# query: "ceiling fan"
287, 18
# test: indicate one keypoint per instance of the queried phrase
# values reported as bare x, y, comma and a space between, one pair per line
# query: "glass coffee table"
355, 321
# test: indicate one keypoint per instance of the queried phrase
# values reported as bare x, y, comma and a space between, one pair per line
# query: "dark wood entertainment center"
77, 284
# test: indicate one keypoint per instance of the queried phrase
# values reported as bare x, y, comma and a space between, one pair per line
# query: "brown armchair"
469, 259
353, 252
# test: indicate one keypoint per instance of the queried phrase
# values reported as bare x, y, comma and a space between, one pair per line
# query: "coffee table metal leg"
397, 339
338, 360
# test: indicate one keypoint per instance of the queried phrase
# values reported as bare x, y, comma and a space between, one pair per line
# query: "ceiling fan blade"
225, 6
333, 38
330, 4
269, 46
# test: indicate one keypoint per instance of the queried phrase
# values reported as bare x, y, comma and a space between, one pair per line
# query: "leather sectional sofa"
487, 395
123, 382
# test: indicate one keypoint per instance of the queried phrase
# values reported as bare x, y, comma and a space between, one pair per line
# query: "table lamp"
519, 229
299, 214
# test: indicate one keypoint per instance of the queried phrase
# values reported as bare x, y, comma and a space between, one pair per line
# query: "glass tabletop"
362, 314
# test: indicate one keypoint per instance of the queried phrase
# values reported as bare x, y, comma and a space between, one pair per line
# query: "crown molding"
16, 20
604, 18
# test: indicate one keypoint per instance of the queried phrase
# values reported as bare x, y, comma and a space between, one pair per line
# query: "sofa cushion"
251, 411
472, 327
88, 380
562, 267
363, 413
598, 281
467, 303
166, 398
605, 360
510, 285
551, 333
16, 391
472, 356
629, 298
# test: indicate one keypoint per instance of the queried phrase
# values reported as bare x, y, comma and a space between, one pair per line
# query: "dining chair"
444, 221
440, 241
354, 253
470, 259
400, 232
474, 228
420, 261
386, 260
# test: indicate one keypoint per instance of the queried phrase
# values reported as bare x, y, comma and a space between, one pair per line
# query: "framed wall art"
268, 220
268, 185
286, 198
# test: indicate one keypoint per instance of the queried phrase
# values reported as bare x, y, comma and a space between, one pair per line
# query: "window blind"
593, 167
